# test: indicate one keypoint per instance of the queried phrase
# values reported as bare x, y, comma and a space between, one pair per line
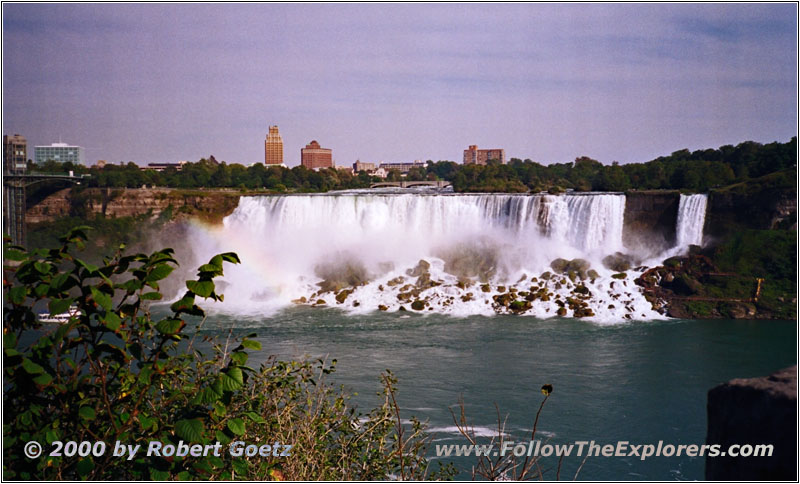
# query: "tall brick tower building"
273, 147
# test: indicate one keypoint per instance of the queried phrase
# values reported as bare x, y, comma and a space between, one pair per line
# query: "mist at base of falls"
448, 253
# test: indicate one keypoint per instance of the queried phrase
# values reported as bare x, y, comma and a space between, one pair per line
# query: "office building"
474, 156
15, 154
315, 157
403, 168
60, 152
163, 166
361, 166
273, 147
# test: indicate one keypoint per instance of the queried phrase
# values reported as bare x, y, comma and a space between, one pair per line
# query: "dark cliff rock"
55, 205
754, 411
768, 202
211, 205
650, 219
729, 212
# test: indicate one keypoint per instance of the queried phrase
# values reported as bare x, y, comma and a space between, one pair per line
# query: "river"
639, 381
316, 269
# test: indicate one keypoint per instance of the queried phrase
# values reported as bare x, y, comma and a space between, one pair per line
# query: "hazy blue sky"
398, 82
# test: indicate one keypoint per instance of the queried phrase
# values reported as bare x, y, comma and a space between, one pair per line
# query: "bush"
114, 374
701, 308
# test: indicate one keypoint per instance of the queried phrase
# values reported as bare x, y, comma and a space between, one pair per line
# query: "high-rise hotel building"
314, 157
474, 156
15, 154
273, 147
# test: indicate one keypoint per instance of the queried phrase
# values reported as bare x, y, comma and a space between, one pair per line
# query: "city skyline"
399, 82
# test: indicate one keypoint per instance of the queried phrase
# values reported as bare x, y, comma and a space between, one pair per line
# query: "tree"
394, 175
221, 176
416, 174
612, 179
240, 174
444, 170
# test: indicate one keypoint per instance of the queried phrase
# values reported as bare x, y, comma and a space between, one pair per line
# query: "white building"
60, 152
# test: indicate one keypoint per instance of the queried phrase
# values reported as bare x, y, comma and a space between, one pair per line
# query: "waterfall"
582, 222
595, 222
691, 219
289, 244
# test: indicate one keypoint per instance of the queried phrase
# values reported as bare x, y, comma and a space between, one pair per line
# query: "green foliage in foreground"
113, 373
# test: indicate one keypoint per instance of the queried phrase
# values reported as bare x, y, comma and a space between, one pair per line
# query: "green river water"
639, 382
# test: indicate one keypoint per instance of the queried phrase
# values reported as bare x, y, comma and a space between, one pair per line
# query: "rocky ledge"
208, 205
692, 287
754, 411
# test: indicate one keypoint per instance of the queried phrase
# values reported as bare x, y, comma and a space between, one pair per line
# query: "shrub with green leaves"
114, 373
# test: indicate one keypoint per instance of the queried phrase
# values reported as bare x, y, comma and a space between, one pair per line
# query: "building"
361, 166
347, 169
60, 152
474, 156
163, 166
403, 168
15, 162
273, 147
315, 157
15, 154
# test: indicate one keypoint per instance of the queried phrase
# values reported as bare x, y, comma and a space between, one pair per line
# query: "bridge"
409, 184
14, 198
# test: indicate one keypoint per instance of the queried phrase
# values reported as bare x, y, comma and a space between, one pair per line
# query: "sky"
398, 82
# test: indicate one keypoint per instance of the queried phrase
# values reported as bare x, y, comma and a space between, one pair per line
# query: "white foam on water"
478, 431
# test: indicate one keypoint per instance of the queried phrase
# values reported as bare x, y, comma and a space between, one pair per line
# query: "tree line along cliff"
697, 171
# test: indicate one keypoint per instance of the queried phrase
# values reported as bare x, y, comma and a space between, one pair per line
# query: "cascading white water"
595, 222
691, 219
384, 225
288, 244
